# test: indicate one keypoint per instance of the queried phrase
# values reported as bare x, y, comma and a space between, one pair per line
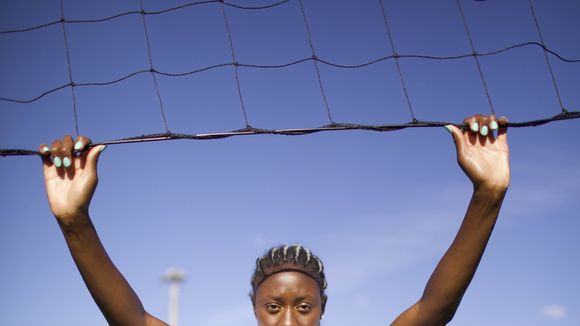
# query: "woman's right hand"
70, 176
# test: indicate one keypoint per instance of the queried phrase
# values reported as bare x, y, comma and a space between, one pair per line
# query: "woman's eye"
272, 308
304, 307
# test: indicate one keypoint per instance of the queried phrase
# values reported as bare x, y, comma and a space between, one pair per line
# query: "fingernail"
45, 149
448, 128
493, 125
484, 131
103, 147
474, 127
78, 145
66, 162
57, 162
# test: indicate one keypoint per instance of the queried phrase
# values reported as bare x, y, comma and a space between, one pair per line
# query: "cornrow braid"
288, 258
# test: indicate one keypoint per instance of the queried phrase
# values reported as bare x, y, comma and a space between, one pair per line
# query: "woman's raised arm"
485, 160
70, 175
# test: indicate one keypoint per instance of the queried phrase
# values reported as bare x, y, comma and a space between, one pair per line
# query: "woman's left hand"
483, 156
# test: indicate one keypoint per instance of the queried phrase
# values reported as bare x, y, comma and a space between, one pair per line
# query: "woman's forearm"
70, 188
112, 293
455, 271
484, 157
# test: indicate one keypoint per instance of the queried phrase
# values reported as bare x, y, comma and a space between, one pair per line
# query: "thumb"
502, 130
93, 157
456, 134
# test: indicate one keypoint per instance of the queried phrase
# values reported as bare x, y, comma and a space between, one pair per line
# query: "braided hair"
295, 258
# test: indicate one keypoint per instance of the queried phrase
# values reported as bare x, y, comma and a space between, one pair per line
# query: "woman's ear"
253, 299
324, 298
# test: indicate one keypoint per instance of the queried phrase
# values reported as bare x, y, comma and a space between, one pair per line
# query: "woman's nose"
288, 319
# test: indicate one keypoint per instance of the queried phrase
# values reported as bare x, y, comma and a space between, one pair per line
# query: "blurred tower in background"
174, 276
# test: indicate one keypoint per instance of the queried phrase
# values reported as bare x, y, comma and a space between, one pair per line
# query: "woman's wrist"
74, 221
491, 190
489, 196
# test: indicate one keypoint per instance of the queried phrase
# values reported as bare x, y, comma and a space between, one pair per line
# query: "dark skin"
287, 298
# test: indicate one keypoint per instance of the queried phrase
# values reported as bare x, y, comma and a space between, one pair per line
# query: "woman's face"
288, 299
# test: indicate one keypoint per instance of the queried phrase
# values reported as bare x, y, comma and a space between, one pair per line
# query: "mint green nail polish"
66, 162
493, 125
448, 128
57, 162
484, 131
45, 149
474, 127
78, 145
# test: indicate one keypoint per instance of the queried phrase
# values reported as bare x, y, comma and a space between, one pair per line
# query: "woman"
289, 282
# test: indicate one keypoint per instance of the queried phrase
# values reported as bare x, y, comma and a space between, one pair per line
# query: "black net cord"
568, 115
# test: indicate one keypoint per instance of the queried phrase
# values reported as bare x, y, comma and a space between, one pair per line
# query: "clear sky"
379, 208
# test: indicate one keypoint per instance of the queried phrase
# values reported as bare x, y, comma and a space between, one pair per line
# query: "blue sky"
379, 208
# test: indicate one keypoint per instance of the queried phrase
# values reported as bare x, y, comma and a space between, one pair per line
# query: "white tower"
174, 276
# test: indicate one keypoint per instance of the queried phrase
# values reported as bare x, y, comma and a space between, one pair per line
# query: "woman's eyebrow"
278, 299
304, 298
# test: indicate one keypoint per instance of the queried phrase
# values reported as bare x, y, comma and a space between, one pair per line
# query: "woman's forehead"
289, 283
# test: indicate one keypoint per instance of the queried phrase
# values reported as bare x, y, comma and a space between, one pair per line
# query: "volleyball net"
247, 127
